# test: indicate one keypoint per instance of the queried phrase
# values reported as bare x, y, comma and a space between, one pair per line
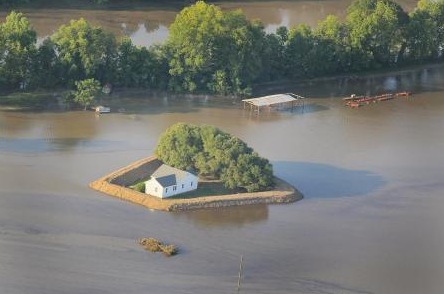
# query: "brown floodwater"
148, 24
371, 220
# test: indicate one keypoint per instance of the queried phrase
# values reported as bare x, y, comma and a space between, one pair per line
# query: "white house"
168, 181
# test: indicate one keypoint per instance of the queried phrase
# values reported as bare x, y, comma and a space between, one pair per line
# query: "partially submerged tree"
17, 50
377, 31
85, 51
87, 90
213, 51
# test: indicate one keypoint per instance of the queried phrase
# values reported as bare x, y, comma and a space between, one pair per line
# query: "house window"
155, 189
191, 184
166, 190
174, 188
183, 186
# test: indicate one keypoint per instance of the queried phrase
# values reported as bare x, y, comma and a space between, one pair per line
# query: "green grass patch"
27, 100
206, 189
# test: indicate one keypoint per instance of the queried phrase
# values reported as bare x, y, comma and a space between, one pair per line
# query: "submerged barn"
288, 100
167, 181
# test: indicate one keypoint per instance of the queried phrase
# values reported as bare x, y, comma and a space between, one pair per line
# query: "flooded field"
371, 221
148, 24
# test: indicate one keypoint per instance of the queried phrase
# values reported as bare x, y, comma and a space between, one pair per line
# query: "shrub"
139, 187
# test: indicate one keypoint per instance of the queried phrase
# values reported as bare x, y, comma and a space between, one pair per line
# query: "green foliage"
140, 67
139, 187
85, 51
46, 67
249, 171
377, 31
86, 92
17, 50
216, 154
179, 145
213, 51
426, 31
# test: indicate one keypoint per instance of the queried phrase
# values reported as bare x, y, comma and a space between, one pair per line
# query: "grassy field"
23, 101
206, 189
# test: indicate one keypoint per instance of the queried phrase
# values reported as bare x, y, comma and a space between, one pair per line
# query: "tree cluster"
215, 154
75, 52
211, 51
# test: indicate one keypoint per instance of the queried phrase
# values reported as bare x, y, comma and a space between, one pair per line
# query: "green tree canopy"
216, 154
426, 30
87, 90
213, 51
17, 49
377, 31
85, 51
138, 66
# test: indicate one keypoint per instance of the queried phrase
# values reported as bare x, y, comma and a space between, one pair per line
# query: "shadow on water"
41, 145
153, 104
226, 217
316, 180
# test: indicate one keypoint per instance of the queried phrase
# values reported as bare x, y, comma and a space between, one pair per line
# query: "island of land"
117, 184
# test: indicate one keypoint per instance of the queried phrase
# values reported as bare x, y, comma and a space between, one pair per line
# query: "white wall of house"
189, 183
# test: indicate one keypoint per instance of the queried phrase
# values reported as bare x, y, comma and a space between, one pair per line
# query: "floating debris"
358, 101
155, 245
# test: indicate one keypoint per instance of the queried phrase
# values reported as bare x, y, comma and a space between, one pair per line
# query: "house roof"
168, 176
167, 181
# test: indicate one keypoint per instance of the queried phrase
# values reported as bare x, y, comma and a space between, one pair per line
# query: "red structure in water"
358, 101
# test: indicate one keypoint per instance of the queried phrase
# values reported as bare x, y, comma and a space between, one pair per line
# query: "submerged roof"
273, 99
168, 176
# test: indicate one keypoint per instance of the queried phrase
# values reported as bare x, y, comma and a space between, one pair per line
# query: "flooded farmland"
371, 220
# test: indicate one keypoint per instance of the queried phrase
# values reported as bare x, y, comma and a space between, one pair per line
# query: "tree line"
211, 51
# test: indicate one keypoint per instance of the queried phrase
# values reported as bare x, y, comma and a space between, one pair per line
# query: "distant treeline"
20, 3
210, 51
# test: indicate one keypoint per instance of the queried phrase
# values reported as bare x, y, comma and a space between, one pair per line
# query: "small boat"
103, 109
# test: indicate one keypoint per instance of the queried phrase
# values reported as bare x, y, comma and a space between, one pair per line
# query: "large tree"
377, 31
215, 154
210, 50
85, 51
17, 49
426, 31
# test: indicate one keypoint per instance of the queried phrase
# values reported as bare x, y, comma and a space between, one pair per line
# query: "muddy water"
371, 221
147, 25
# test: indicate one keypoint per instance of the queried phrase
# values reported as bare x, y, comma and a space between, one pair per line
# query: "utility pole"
240, 273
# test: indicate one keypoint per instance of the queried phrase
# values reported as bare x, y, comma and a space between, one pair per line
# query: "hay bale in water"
155, 245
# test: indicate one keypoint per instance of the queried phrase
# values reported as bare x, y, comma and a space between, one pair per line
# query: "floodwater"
148, 24
371, 221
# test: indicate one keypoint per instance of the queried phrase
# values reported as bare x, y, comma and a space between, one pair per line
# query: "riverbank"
50, 100
279, 85
29, 101
116, 184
